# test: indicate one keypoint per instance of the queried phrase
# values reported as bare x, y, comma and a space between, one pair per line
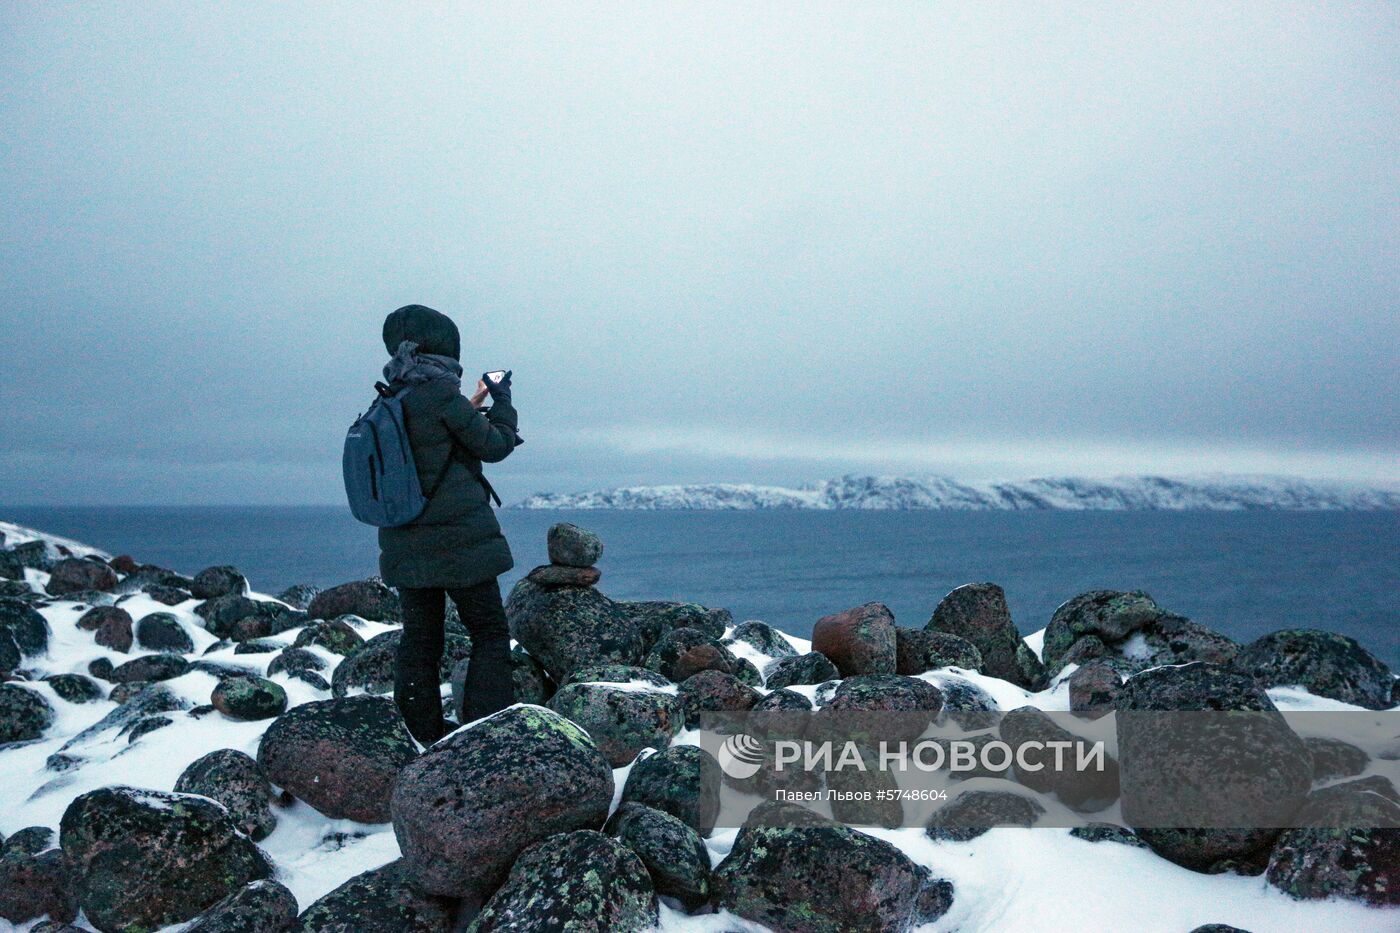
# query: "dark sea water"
1243, 573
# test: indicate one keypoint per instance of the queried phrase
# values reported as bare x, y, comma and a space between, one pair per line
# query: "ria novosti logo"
740, 756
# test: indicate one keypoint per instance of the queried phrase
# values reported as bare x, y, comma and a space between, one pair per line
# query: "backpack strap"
473, 469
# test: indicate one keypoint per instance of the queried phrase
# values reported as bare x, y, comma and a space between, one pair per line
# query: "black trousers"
417, 686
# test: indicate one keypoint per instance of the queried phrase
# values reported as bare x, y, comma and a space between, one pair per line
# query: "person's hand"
499, 391
479, 396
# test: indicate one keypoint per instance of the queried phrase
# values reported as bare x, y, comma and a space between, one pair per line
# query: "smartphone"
496, 376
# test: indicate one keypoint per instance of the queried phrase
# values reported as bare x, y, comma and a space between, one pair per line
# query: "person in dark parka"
455, 547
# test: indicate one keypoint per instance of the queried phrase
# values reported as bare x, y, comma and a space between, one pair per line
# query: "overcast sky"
714, 242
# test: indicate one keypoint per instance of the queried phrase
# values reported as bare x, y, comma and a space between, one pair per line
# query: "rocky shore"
181, 752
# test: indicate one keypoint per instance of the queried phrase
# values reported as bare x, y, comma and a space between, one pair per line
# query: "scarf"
409, 367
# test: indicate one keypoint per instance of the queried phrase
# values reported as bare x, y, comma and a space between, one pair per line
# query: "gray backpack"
381, 479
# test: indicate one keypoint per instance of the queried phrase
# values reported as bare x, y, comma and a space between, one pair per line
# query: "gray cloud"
713, 243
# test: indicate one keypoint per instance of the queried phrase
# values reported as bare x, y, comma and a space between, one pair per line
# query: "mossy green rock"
978, 613
682, 780
1352, 852
234, 780
582, 882
335, 635
162, 631
370, 667
567, 628
24, 714
621, 720
146, 859
673, 853
809, 668
763, 638
918, 650
261, 907
1326, 663
384, 898
820, 878
473, 802
249, 698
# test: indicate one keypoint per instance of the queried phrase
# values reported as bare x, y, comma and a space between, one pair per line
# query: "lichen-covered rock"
249, 698
572, 546
555, 575
809, 668
383, 898
1085, 790
24, 714
570, 627
234, 780
474, 801
1208, 771
859, 640
621, 720
684, 652
1351, 851
98, 616
862, 706
149, 667
291, 660
1107, 832
74, 688
261, 907
299, 595
162, 631
222, 613
76, 574
168, 595
1326, 663
919, 650
341, 756
1333, 758
36, 884
1093, 689
370, 667
335, 635
972, 813
820, 878
673, 853
10, 657
147, 859
212, 582
654, 618
761, 637
683, 780
978, 613
582, 881
258, 646
714, 692
368, 599
1110, 615
115, 631
24, 623
28, 841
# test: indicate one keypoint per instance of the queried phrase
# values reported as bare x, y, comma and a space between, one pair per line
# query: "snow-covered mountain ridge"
1127, 493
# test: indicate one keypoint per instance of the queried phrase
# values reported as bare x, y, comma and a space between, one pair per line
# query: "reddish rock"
341, 756
74, 574
98, 616
124, 564
715, 691
859, 640
368, 599
978, 613
1092, 690
559, 575
36, 885
115, 631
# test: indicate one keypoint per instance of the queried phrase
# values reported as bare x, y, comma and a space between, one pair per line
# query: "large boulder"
261, 907
655, 617
478, 798
683, 780
572, 546
368, 599
616, 674
212, 582
36, 884
582, 881
24, 714
383, 898
1047, 771
859, 640
115, 631
1215, 770
149, 667
29, 629
234, 780
571, 627
342, 756
971, 813
147, 859
299, 595
809, 668
621, 720
1347, 845
683, 652
819, 878
978, 613
880, 706
370, 667
1326, 663
236, 616
1093, 689
77, 574
918, 650
335, 635
673, 853
98, 617
162, 631
75, 688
